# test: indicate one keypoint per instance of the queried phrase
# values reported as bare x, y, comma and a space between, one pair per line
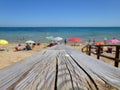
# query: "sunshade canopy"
3, 41
99, 43
114, 41
58, 39
75, 39
30, 41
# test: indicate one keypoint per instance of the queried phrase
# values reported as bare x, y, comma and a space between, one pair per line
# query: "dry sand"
10, 57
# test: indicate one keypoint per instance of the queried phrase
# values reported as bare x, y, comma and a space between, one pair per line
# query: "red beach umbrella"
75, 39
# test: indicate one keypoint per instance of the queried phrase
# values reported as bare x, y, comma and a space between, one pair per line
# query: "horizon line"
58, 26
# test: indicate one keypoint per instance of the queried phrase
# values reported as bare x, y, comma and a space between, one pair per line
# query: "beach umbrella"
58, 39
50, 38
114, 41
3, 42
100, 43
30, 41
75, 39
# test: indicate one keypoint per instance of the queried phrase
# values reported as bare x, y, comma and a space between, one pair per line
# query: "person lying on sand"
27, 47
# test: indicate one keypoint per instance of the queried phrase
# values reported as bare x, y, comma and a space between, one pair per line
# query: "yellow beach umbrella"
3, 42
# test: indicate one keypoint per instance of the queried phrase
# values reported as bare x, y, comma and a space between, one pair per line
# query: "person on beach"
28, 47
94, 41
105, 40
18, 49
109, 50
65, 41
33, 45
89, 40
38, 43
100, 52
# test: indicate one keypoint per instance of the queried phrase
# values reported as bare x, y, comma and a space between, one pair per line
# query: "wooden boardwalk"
60, 68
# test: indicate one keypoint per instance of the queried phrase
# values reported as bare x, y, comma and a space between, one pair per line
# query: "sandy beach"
10, 56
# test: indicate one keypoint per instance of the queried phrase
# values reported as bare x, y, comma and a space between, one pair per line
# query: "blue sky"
59, 13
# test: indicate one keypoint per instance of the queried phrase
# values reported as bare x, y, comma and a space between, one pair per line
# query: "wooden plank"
102, 71
60, 68
12, 74
64, 79
77, 77
106, 72
42, 76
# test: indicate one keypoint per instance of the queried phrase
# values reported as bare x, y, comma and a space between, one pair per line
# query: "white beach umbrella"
58, 39
30, 41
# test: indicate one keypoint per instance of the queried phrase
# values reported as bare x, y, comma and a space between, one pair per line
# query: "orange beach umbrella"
99, 43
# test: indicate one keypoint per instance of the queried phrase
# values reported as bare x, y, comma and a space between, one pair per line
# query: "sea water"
21, 34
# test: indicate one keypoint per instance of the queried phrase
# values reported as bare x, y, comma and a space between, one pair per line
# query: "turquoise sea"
21, 34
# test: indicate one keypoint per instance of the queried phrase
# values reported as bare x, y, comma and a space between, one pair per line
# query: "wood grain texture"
60, 68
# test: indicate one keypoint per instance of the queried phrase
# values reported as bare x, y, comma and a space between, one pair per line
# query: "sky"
68, 13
